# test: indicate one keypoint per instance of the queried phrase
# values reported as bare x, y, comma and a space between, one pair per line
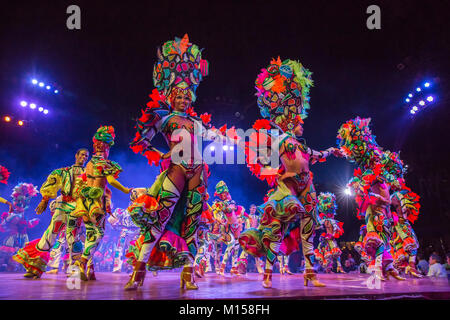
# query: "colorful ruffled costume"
377, 174
286, 218
35, 255
169, 212
328, 250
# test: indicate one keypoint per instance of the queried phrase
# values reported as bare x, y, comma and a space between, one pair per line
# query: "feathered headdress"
358, 143
180, 66
105, 134
4, 175
22, 194
221, 187
393, 168
282, 90
327, 204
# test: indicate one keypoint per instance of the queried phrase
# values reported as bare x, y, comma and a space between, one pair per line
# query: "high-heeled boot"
267, 280
286, 270
81, 265
310, 275
137, 277
187, 279
234, 271
90, 272
411, 269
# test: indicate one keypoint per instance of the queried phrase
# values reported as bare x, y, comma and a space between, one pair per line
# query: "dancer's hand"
42, 206
336, 152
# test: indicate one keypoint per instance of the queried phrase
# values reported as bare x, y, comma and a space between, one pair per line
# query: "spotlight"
347, 191
7, 118
41, 109
45, 111
410, 95
225, 148
232, 148
430, 98
412, 111
407, 100
47, 87
426, 85
23, 103
34, 81
422, 103
32, 105
41, 84
20, 123
418, 89
56, 91
415, 108
212, 148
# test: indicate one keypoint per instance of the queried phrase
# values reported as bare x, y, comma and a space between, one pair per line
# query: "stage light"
412, 111
426, 85
41, 109
47, 87
23, 103
225, 148
7, 118
212, 148
45, 111
56, 91
407, 100
410, 95
20, 123
32, 105
430, 98
232, 148
422, 103
34, 81
418, 89
347, 191
41, 84
415, 108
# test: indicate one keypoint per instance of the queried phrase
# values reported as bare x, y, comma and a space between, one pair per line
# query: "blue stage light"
412, 111
23, 103
430, 98
225, 148
56, 91
34, 81
41, 109
410, 95
32, 105
426, 85
47, 87
213, 148
41, 84
45, 111
407, 100
418, 89
415, 108
348, 192
232, 148
422, 103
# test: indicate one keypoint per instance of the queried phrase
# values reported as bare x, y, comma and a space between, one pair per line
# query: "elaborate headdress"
179, 67
104, 137
282, 90
393, 168
221, 187
358, 143
22, 194
327, 205
4, 174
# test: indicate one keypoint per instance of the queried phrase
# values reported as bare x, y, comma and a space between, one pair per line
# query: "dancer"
128, 231
169, 212
251, 221
328, 247
234, 219
359, 247
4, 175
94, 198
283, 89
35, 255
371, 184
202, 260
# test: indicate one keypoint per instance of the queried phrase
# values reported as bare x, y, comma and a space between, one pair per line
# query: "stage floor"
109, 286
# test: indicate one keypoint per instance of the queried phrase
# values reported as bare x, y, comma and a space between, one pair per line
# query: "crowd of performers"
170, 224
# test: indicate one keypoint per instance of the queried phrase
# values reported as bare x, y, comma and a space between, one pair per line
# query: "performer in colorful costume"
35, 255
359, 247
94, 197
371, 183
202, 262
328, 250
4, 175
234, 215
128, 231
168, 213
406, 211
282, 90
251, 221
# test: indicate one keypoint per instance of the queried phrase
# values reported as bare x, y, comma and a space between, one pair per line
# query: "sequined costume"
289, 215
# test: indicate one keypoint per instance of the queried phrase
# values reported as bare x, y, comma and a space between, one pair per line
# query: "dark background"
104, 72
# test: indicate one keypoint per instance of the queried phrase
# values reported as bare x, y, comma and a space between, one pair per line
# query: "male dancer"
35, 255
283, 89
